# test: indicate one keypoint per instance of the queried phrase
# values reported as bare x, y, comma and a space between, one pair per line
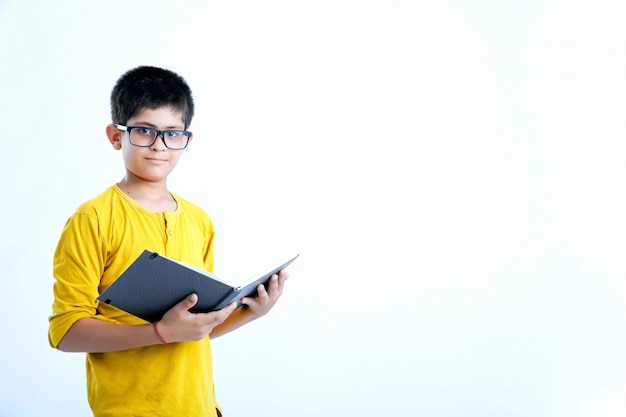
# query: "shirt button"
170, 232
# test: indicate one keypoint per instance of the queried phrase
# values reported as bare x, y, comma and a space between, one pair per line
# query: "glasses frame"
160, 133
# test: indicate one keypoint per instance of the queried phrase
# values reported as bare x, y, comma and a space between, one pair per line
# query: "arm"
253, 307
177, 325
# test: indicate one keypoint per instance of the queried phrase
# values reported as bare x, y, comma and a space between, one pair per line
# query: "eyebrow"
148, 124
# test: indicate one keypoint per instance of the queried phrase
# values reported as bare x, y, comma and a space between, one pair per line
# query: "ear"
115, 136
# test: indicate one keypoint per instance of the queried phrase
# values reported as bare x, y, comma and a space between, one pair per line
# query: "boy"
136, 368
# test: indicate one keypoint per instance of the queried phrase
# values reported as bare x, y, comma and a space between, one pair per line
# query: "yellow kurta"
98, 243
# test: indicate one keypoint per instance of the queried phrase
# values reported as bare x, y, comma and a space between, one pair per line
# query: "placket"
170, 238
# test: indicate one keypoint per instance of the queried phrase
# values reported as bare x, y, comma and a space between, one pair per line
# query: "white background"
451, 173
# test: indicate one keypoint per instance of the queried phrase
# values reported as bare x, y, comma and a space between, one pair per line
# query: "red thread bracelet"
156, 330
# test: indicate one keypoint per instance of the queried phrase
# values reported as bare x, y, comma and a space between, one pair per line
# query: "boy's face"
153, 163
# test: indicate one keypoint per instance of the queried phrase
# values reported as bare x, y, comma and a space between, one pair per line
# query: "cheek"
126, 154
174, 160
129, 155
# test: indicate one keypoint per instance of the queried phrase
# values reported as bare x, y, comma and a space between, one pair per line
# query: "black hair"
148, 87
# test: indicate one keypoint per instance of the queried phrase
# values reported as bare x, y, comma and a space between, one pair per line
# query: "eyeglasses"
146, 136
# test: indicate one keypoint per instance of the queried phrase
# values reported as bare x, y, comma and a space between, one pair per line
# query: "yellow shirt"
98, 243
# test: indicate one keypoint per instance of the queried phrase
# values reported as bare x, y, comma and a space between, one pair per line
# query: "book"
154, 283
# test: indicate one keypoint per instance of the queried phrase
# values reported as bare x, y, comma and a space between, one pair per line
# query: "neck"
153, 196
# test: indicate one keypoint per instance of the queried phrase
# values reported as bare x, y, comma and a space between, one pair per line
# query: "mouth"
156, 161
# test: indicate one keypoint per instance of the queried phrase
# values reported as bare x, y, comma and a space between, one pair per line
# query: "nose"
159, 144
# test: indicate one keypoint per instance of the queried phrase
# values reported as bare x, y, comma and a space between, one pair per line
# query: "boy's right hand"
180, 325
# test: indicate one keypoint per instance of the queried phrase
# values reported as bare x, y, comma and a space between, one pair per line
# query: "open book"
153, 284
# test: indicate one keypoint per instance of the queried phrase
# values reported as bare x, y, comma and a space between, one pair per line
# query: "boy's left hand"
265, 300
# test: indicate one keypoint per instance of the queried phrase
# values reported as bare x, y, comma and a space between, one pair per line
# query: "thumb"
189, 301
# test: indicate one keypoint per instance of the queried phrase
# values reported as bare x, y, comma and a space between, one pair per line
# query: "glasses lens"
142, 136
175, 139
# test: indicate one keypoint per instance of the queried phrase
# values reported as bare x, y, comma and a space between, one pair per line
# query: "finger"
188, 302
215, 318
231, 307
261, 294
224, 312
273, 284
283, 275
276, 286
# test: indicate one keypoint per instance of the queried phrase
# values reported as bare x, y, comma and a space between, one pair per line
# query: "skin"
145, 181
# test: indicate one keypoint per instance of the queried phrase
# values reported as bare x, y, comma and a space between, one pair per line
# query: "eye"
144, 131
174, 134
